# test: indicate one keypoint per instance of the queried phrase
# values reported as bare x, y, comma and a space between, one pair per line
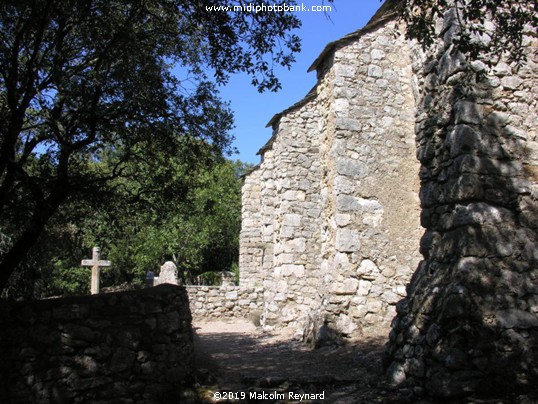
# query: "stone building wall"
251, 257
290, 201
336, 218
469, 324
122, 347
467, 321
371, 181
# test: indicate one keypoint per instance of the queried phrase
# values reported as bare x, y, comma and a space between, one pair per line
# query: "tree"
193, 219
489, 28
81, 78
191, 215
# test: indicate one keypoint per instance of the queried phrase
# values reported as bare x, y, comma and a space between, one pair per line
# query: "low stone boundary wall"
224, 301
122, 347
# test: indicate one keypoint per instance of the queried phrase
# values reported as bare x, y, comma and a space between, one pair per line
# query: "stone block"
341, 262
345, 324
377, 54
231, 295
367, 268
343, 185
344, 70
374, 306
342, 220
364, 287
351, 168
347, 203
292, 270
511, 82
516, 318
375, 71
341, 106
343, 123
468, 112
347, 240
292, 220
346, 287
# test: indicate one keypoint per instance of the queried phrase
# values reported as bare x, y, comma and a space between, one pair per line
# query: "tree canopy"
84, 79
489, 28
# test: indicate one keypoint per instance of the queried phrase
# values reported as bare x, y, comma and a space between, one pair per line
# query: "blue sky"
253, 110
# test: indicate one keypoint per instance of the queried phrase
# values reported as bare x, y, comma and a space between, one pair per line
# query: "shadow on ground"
253, 363
237, 363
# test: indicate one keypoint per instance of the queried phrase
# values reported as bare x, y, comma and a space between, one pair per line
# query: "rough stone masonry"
331, 215
406, 181
125, 347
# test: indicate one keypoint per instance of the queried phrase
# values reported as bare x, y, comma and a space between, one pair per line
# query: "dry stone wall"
123, 347
210, 302
469, 324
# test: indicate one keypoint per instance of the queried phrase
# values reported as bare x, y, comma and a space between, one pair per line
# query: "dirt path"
238, 357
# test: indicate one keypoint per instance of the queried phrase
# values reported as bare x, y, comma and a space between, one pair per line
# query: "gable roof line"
385, 13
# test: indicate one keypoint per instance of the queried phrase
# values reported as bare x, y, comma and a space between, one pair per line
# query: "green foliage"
235, 270
192, 218
504, 36
65, 280
88, 101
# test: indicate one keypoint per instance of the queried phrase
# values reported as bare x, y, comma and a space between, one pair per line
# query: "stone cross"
95, 263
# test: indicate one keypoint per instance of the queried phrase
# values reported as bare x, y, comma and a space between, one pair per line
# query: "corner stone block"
351, 167
342, 220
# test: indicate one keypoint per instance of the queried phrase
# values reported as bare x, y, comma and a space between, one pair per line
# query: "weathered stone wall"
123, 347
470, 321
210, 302
371, 220
252, 250
291, 209
334, 229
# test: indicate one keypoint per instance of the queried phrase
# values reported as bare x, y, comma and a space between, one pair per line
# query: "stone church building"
331, 214
403, 189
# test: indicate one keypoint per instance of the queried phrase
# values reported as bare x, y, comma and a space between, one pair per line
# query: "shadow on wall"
317, 333
469, 324
105, 348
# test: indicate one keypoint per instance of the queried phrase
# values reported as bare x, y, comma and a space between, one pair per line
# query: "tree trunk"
29, 237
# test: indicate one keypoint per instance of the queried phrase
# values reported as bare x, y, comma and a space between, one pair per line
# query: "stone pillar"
469, 324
